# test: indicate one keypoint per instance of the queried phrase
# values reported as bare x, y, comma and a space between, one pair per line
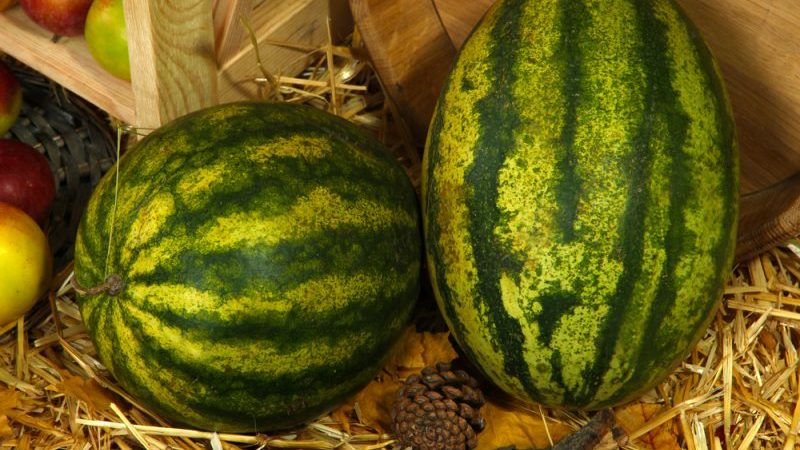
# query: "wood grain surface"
459, 17
411, 51
172, 73
228, 31
298, 22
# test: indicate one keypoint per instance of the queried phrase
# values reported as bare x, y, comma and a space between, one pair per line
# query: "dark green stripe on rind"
730, 167
432, 208
570, 186
345, 249
661, 341
677, 123
498, 120
303, 324
658, 95
679, 193
273, 400
245, 190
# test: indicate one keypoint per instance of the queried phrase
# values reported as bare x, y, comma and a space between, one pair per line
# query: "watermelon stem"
112, 286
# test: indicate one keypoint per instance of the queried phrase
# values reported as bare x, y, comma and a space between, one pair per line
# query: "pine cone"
438, 410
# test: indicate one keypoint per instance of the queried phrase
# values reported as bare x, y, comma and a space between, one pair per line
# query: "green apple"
10, 99
106, 37
25, 263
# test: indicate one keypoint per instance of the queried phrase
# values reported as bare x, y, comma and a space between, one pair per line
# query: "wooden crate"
184, 55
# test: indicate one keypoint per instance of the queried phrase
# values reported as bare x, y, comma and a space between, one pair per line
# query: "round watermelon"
580, 197
266, 258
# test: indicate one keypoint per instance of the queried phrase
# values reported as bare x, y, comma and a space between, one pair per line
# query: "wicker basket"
77, 140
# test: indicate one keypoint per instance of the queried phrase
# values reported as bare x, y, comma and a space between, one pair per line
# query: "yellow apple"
25, 263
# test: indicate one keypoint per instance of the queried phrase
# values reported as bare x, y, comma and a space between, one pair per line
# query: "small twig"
21, 341
587, 437
590, 435
331, 70
344, 52
127, 425
546, 428
273, 82
315, 83
51, 298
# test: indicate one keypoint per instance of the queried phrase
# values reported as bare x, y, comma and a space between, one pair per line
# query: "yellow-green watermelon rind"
580, 196
271, 256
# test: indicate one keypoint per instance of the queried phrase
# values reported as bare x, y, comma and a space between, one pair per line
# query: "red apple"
25, 263
26, 180
106, 38
10, 99
62, 17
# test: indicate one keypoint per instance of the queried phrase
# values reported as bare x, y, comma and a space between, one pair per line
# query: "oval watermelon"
580, 197
269, 256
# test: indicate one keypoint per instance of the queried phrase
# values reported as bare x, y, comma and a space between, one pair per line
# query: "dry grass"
737, 390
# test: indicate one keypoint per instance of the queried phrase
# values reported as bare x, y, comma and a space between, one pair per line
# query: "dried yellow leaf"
631, 417
419, 350
507, 426
86, 390
375, 403
9, 400
5, 428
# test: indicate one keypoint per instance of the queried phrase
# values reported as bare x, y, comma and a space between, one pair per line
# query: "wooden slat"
264, 17
411, 51
228, 31
459, 17
66, 62
173, 63
299, 22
